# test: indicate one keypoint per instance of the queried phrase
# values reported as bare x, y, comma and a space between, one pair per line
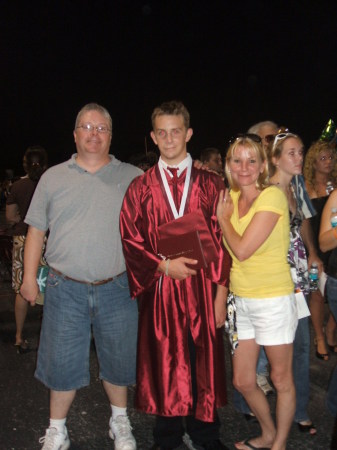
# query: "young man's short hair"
171, 108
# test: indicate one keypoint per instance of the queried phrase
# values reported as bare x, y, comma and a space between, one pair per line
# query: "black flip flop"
23, 347
251, 446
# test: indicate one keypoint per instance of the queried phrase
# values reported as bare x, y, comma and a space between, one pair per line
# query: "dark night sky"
231, 63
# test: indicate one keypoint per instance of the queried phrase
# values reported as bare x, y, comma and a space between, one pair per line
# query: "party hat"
329, 132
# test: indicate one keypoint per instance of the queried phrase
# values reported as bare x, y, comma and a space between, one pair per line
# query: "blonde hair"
263, 179
275, 151
256, 128
309, 170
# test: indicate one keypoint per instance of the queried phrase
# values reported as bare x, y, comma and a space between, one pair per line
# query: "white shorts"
270, 321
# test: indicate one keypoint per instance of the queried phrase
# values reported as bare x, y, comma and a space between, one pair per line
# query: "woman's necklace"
289, 192
322, 188
291, 198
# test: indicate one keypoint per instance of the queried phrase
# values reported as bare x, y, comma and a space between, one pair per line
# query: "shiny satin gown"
169, 309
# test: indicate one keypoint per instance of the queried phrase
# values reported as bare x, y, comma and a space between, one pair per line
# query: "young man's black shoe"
212, 445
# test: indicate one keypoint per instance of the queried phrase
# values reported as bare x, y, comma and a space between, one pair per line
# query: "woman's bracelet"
167, 266
334, 232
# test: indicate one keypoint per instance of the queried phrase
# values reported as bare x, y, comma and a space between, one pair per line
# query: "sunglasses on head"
253, 137
269, 138
281, 136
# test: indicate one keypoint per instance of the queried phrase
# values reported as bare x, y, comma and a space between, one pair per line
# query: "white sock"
117, 411
59, 424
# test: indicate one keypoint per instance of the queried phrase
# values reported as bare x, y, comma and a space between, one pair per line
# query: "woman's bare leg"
21, 309
280, 358
244, 380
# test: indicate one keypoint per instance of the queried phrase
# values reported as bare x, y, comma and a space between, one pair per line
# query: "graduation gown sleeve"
139, 239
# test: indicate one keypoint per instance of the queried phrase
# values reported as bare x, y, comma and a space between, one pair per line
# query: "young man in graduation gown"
180, 367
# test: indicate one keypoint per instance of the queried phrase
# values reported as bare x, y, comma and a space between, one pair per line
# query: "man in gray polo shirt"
79, 202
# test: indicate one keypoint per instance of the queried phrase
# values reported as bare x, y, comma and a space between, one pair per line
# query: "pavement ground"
24, 406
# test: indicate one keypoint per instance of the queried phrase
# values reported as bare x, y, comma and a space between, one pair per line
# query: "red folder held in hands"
188, 236
187, 245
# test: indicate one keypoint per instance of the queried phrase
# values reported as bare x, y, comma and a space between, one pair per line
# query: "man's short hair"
207, 153
94, 107
172, 108
35, 161
255, 129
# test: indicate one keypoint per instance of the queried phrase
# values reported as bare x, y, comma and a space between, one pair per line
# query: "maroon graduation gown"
168, 308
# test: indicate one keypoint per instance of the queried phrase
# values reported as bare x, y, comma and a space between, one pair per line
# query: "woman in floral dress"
287, 155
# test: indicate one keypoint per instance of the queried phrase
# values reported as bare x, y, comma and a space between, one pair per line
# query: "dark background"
232, 63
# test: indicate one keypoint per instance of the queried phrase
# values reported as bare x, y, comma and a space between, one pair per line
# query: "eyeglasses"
253, 137
89, 127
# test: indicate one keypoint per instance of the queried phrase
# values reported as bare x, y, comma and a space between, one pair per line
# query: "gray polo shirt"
81, 211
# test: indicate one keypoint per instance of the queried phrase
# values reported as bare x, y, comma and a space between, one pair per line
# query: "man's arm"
32, 254
12, 214
308, 239
308, 210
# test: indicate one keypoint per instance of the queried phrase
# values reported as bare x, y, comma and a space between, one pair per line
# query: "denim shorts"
71, 311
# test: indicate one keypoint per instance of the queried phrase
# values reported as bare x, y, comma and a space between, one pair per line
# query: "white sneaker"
264, 384
55, 440
120, 431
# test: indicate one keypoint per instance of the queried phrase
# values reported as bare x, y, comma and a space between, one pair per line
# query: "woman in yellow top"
254, 219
